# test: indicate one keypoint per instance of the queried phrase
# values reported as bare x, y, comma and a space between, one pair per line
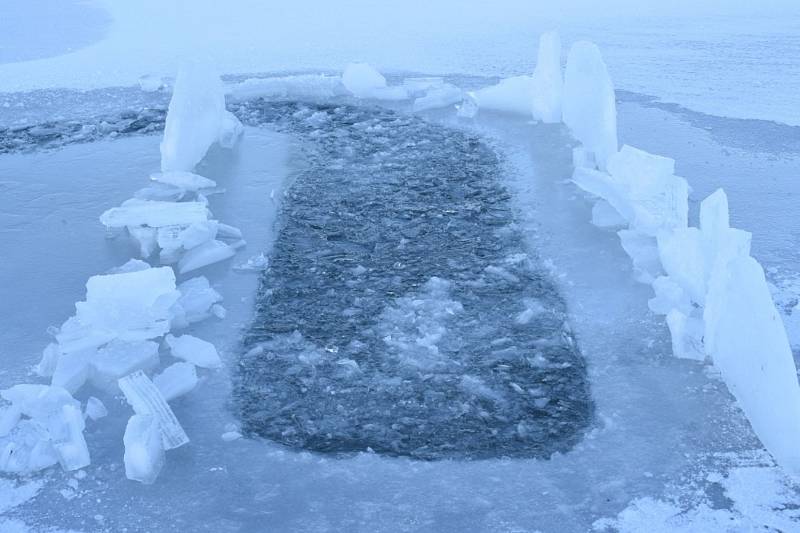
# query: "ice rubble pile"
713, 294
115, 341
171, 215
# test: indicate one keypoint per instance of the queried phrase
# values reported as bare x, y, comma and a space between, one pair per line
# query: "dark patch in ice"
752, 135
400, 312
58, 133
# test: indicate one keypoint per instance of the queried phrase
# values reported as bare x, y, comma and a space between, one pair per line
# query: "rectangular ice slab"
303, 86
589, 105
196, 351
746, 338
154, 213
144, 451
146, 399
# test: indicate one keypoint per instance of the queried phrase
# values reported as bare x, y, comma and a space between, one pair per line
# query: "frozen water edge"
650, 405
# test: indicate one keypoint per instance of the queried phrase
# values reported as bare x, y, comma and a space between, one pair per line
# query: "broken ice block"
38, 401
146, 399
669, 295
206, 254
129, 306
194, 304
72, 369
9, 417
194, 350
176, 380
71, 447
687, 335
173, 238
47, 365
187, 181
589, 106
154, 213
95, 409
363, 81
605, 216
643, 251
145, 238
468, 107
510, 95
230, 130
119, 358
144, 451
444, 96
547, 86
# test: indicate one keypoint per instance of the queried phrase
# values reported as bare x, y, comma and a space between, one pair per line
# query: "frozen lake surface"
662, 428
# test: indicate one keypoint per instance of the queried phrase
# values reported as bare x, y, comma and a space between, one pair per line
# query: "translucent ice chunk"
146, 399
206, 254
72, 369
195, 302
589, 105
144, 451
119, 358
128, 306
443, 96
196, 351
95, 409
176, 380
71, 448
510, 95
196, 117
547, 86
153, 213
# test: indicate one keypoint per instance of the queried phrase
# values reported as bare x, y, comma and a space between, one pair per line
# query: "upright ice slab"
746, 338
548, 80
196, 118
589, 106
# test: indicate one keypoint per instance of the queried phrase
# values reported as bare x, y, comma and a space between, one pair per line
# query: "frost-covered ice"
144, 450
510, 95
